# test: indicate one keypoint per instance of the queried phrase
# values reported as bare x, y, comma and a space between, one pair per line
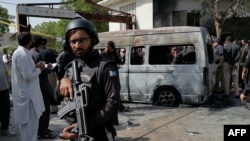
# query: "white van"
150, 72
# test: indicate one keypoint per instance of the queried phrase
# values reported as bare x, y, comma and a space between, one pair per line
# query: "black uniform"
64, 59
104, 97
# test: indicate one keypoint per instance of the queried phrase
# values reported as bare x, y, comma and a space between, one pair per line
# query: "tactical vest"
91, 74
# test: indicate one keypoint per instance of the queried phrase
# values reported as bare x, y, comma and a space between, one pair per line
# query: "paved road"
146, 122
200, 123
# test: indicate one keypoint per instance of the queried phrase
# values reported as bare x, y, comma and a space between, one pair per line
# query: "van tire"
167, 96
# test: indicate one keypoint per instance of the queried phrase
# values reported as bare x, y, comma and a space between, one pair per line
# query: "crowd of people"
38, 87
232, 61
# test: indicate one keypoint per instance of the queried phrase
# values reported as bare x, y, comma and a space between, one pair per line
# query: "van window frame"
166, 53
142, 54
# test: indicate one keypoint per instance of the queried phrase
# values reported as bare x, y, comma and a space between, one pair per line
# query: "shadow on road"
220, 101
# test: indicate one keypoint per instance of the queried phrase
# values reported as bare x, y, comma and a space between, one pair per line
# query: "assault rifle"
78, 104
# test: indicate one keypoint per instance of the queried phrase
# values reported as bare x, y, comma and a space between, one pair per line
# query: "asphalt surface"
186, 123
146, 122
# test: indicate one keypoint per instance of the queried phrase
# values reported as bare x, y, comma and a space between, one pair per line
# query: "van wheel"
168, 97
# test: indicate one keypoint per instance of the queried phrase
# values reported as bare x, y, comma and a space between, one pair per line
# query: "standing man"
7, 59
102, 74
219, 58
244, 50
231, 63
244, 96
27, 97
49, 56
4, 101
47, 92
111, 54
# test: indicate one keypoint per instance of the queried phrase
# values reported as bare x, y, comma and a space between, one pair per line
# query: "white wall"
144, 11
144, 14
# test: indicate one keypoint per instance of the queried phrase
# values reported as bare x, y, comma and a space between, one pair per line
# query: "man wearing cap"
219, 58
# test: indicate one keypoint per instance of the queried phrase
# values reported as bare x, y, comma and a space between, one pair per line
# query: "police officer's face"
80, 42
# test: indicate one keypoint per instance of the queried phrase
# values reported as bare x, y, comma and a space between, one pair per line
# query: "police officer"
101, 73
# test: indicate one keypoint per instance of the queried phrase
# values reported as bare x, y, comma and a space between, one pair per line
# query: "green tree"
81, 5
5, 20
49, 30
58, 28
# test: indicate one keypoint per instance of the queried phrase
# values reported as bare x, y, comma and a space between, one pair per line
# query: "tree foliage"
49, 30
81, 5
57, 29
5, 18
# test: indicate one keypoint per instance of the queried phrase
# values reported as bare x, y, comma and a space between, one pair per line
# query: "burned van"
165, 66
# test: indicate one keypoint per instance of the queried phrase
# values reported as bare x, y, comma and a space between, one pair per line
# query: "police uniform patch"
112, 73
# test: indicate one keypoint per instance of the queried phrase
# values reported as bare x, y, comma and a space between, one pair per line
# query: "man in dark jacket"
64, 59
231, 63
48, 55
102, 74
111, 54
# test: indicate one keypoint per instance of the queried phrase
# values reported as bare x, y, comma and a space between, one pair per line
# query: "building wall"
5, 40
144, 14
173, 13
154, 13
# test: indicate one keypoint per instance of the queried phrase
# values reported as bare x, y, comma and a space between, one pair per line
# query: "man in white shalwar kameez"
28, 103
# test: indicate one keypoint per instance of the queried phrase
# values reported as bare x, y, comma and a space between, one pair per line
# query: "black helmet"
80, 23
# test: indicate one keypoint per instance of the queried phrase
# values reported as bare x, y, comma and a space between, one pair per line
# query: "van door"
136, 74
210, 73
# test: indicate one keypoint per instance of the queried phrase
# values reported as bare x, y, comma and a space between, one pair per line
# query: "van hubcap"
167, 98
